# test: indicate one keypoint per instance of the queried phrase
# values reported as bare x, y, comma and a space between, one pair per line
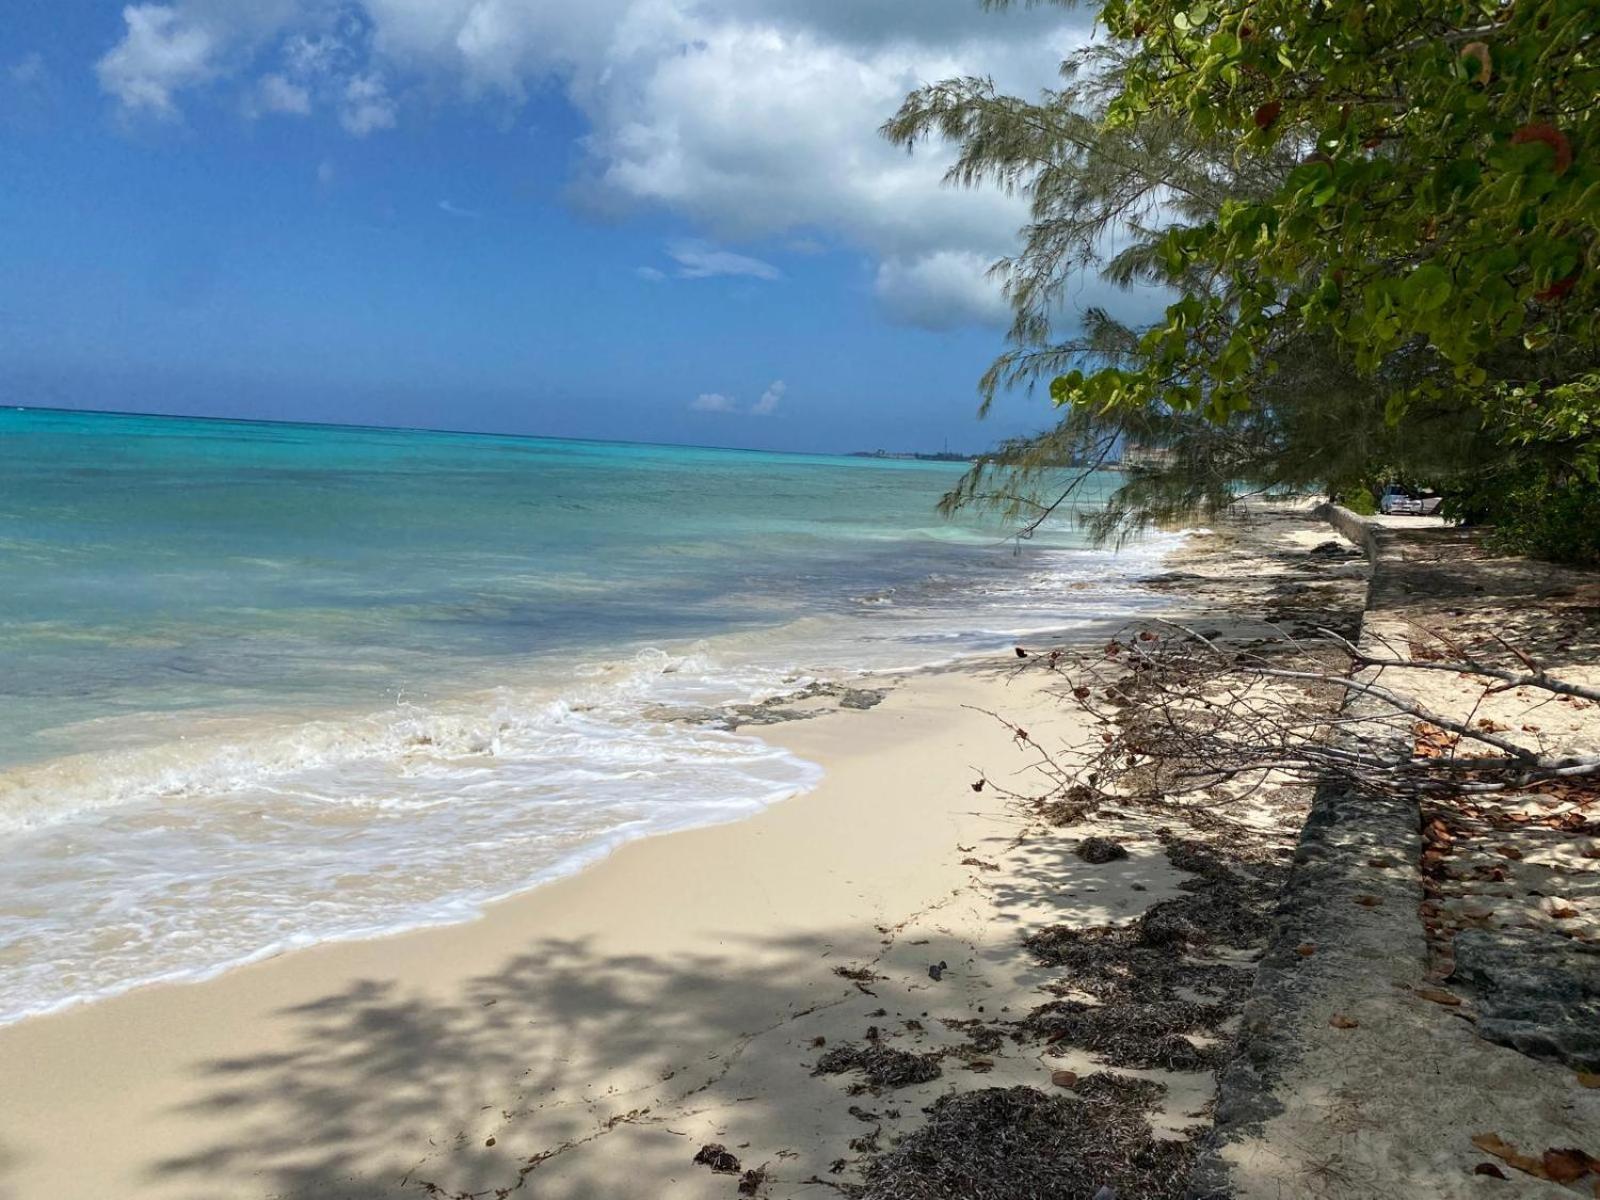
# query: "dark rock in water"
937, 970
716, 1156
1534, 992
1100, 850
860, 698
776, 711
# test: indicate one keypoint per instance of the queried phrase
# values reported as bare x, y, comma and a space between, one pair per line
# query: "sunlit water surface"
268, 685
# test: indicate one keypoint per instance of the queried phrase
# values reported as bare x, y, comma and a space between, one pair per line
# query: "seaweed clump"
1100, 850
882, 1066
1142, 977
1133, 1035
1007, 1143
1107, 1087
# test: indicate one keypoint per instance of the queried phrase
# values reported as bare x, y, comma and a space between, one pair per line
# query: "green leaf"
1426, 288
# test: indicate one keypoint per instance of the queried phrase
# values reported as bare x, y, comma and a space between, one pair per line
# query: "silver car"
1398, 501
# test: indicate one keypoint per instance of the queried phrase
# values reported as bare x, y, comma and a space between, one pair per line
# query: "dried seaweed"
1099, 850
718, 1157
1011, 1143
1141, 1035
882, 1066
1128, 1091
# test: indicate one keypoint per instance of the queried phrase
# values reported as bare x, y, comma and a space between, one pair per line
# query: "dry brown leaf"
1565, 1166
1491, 1143
1508, 852
1064, 1079
1588, 1079
1306, 949
1488, 1168
1439, 996
1368, 901
1340, 1021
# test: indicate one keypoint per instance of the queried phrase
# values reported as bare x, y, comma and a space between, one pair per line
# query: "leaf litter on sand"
1142, 977
1559, 1165
883, 1066
1006, 1143
1149, 987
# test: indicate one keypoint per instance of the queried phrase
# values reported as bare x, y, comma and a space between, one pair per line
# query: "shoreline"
719, 934
122, 1066
739, 719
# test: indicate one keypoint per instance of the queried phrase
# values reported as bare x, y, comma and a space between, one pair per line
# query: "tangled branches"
1179, 716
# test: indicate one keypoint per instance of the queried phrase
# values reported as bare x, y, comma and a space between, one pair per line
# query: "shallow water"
264, 685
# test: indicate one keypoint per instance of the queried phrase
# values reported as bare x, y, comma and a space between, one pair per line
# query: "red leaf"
1268, 113
1559, 288
1550, 136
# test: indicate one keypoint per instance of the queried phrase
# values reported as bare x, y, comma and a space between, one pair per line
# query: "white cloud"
29, 71
30, 94
697, 260
367, 105
716, 402
455, 210
161, 52
276, 94
326, 172
650, 274
941, 290
770, 399
752, 119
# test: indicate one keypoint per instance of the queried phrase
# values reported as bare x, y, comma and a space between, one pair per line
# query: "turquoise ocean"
266, 685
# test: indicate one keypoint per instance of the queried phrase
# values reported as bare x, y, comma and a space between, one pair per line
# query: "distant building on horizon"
1136, 454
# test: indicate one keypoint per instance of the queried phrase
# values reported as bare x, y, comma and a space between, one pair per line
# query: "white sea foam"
243, 837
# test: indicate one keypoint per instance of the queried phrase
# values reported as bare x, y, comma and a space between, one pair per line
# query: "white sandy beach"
687, 975
591, 1036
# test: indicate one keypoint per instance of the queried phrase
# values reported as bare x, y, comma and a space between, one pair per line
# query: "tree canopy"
1378, 228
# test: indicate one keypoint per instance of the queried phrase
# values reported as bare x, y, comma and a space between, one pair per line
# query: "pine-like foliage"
1257, 397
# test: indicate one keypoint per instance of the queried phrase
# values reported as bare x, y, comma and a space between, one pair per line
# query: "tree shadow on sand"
384, 1093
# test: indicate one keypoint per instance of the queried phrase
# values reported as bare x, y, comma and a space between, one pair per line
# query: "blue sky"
662, 220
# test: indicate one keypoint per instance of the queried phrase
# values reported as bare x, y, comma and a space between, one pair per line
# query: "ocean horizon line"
464, 433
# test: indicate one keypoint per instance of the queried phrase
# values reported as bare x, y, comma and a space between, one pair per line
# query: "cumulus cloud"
277, 94
716, 402
941, 290
756, 120
367, 106
770, 399
160, 53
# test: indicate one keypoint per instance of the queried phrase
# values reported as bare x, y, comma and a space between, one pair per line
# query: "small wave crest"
243, 836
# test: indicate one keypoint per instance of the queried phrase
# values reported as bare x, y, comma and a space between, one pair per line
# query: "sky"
651, 220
